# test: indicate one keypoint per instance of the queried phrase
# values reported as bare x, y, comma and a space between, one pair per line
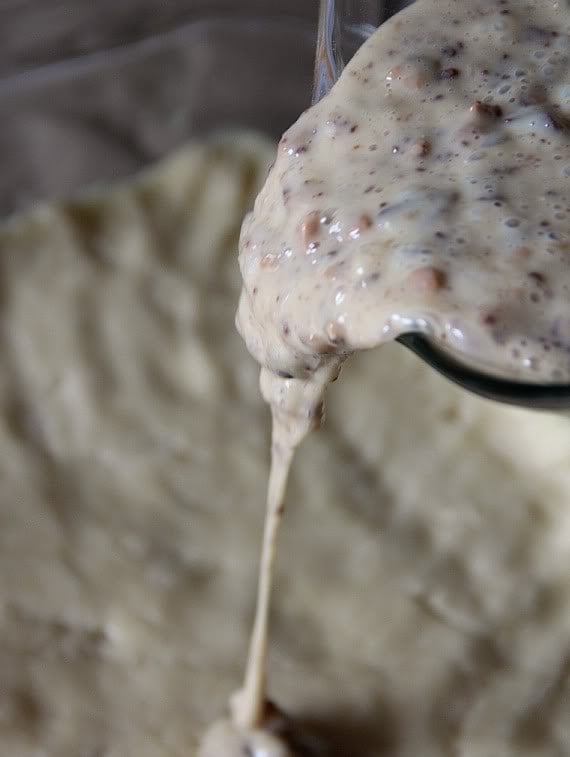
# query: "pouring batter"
428, 192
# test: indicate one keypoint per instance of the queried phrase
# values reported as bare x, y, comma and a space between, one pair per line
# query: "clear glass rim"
344, 25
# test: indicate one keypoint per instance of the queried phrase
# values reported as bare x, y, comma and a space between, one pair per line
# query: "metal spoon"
343, 26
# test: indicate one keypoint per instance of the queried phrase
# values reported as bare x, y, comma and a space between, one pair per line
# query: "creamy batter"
428, 192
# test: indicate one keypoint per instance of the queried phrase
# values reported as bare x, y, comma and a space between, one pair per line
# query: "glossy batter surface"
428, 191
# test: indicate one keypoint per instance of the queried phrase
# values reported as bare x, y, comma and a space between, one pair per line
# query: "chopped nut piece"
450, 73
310, 227
421, 149
269, 262
427, 279
487, 110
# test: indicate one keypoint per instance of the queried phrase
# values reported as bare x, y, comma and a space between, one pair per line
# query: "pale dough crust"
422, 600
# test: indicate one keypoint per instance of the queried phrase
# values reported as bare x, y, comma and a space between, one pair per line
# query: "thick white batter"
427, 192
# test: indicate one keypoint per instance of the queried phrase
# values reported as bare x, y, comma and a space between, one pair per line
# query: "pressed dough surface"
422, 599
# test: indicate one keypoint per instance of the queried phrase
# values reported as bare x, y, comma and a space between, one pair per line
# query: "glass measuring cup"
343, 26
